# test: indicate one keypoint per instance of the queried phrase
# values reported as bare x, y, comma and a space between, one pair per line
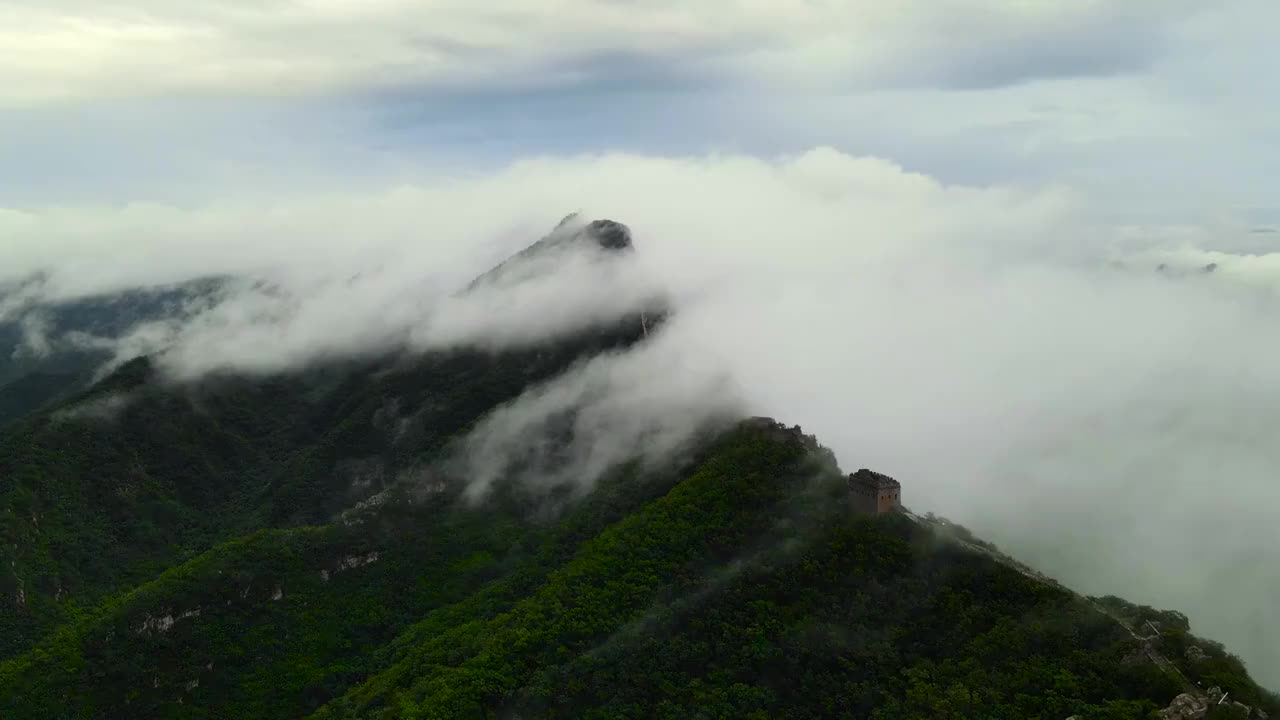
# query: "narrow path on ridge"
1148, 646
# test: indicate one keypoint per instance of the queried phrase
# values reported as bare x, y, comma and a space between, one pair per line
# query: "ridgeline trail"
1148, 647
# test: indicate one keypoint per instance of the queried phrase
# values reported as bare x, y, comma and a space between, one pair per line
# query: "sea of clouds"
1084, 394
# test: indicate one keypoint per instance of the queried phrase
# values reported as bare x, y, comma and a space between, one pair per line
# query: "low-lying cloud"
103, 409
1022, 365
647, 405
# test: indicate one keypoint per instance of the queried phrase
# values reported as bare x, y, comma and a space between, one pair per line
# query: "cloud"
1003, 344
292, 321
68, 50
648, 405
1010, 354
34, 343
1119, 99
103, 409
981, 45
334, 273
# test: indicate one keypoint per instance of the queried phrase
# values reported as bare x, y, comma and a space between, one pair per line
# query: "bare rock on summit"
569, 235
608, 234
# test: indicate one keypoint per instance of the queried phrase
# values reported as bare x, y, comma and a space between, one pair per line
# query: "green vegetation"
699, 606
1203, 662
113, 486
301, 546
739, 586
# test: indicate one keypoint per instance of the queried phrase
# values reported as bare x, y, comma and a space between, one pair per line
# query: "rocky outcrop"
355, 561
571, 233
1185, 707
349, 562
1193, 707
608, 234
163, 623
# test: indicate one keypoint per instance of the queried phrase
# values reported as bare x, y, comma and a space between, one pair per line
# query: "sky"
927, 232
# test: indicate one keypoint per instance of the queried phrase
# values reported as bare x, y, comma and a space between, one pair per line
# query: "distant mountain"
306, 545
114, 483
49, 350
604, 237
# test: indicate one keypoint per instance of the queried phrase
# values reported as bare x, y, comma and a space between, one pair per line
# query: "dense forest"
304, 545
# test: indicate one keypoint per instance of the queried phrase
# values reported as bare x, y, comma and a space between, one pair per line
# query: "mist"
1011, 355
646, 405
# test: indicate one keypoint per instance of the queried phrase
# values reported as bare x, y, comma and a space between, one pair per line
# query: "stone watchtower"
874, 493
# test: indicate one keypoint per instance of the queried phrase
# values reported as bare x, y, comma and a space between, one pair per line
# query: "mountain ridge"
303, 545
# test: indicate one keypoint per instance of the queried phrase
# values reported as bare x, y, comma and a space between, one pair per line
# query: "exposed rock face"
353, 514
1185, 707
162, 623
1195, 654
165, 622
1189, 707
355, 561
570, 233
609, 234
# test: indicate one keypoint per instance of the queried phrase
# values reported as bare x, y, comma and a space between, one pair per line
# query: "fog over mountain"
1022, 256
1022, 366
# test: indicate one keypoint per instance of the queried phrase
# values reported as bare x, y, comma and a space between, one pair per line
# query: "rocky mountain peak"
570, 234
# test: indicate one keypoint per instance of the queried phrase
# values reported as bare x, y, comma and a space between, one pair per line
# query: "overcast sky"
1159, 107
925, 230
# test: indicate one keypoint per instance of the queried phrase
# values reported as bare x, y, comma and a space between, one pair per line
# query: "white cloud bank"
1021, 367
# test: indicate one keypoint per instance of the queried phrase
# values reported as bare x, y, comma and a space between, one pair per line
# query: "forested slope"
305, 544
739, 586
115, 483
